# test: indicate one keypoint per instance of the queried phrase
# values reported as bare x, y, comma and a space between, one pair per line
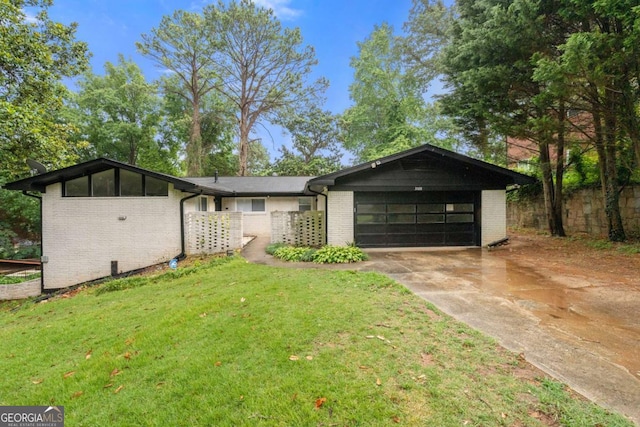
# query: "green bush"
339, 255
292, 253
273, 247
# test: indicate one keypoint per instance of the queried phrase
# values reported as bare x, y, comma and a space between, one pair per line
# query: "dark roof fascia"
330, 179
40, 182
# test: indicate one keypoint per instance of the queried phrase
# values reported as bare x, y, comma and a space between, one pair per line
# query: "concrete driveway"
587, 337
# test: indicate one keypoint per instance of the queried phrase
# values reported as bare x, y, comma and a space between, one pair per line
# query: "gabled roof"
257, 185
40, 182
420, 152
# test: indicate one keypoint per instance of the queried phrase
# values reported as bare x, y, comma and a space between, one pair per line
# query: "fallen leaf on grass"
309, 357
320, 402
218, 363
160, 384
378, 382
363, 367
115, 372
118, 389
203, 315
68, 374
76, 394
396, 420
243, 299
370, 336
127, 355
380, 337
88, 354
108, 385
37, 381
293, 357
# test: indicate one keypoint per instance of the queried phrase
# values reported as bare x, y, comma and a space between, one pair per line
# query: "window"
250, 205
115, 182
156, 187
78, 187
305, 203
103, 184
131, 184
202, 204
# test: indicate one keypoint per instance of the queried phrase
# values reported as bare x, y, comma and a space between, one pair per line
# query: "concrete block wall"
212, 232
298, 228
82, 235
340, 205
493, 214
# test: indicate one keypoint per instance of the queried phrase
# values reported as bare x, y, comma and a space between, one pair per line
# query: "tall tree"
36, 54
389, 112
489, 67
263, 67
183, 44
119, 115
315, 148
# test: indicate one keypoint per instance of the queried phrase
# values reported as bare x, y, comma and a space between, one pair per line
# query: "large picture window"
113, 183
251, 205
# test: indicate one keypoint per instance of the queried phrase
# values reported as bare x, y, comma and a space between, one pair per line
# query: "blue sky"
332, 27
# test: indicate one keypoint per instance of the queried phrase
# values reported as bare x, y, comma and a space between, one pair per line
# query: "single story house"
104, 217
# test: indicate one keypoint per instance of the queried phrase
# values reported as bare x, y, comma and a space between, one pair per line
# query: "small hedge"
324, 255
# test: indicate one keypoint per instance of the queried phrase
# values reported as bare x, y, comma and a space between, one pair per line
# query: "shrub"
292, 253
339, 254
272, 247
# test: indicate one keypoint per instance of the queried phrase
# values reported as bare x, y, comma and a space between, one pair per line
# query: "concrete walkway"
468, 284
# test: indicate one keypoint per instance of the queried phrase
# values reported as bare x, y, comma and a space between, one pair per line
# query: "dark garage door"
401, 219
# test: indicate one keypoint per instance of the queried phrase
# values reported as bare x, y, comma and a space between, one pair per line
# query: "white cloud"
280, 8
29, 18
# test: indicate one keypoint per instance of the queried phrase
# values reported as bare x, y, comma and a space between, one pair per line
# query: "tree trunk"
243, 151
605, 147
558, 193
554, 221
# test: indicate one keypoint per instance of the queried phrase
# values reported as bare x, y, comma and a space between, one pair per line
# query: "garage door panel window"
455, 218
372, 219
431, 208
401, 208
370, 208
459, 207
401, 218
430, 219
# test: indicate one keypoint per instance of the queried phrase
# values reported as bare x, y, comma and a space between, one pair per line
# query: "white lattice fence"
212, 232
298, 228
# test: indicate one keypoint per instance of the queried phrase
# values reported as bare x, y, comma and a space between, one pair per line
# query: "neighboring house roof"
257, 185
40, 182
421, 157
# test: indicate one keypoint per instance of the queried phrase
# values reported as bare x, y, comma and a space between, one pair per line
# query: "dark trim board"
417, 219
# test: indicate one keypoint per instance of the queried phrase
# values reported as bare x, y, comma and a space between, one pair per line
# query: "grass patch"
11, 280
237, 344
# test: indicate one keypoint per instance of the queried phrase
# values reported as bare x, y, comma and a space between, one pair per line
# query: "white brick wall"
82, 235
493, 216
259, 223
340, 230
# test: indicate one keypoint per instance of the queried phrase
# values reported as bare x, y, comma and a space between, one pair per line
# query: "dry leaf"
115, 372
76, 394
68, 374
218, 363
320, 402
363, 367
243, 299
396, 420
160, 384
127, 355
309, 357
88, 355
37, 381
369, 336
378, 382
118, 389
108, 385
203, 315
129, 341
503, 415
293, 357
380, 337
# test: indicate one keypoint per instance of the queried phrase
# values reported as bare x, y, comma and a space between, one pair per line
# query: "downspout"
326, 214
41, 238
182, 254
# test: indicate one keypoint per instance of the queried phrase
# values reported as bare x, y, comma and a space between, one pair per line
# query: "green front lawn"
236, 344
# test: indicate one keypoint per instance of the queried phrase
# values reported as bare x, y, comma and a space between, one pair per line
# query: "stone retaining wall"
583, 212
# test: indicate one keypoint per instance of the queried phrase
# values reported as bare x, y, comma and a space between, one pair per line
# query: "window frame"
251, 200
117, 185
